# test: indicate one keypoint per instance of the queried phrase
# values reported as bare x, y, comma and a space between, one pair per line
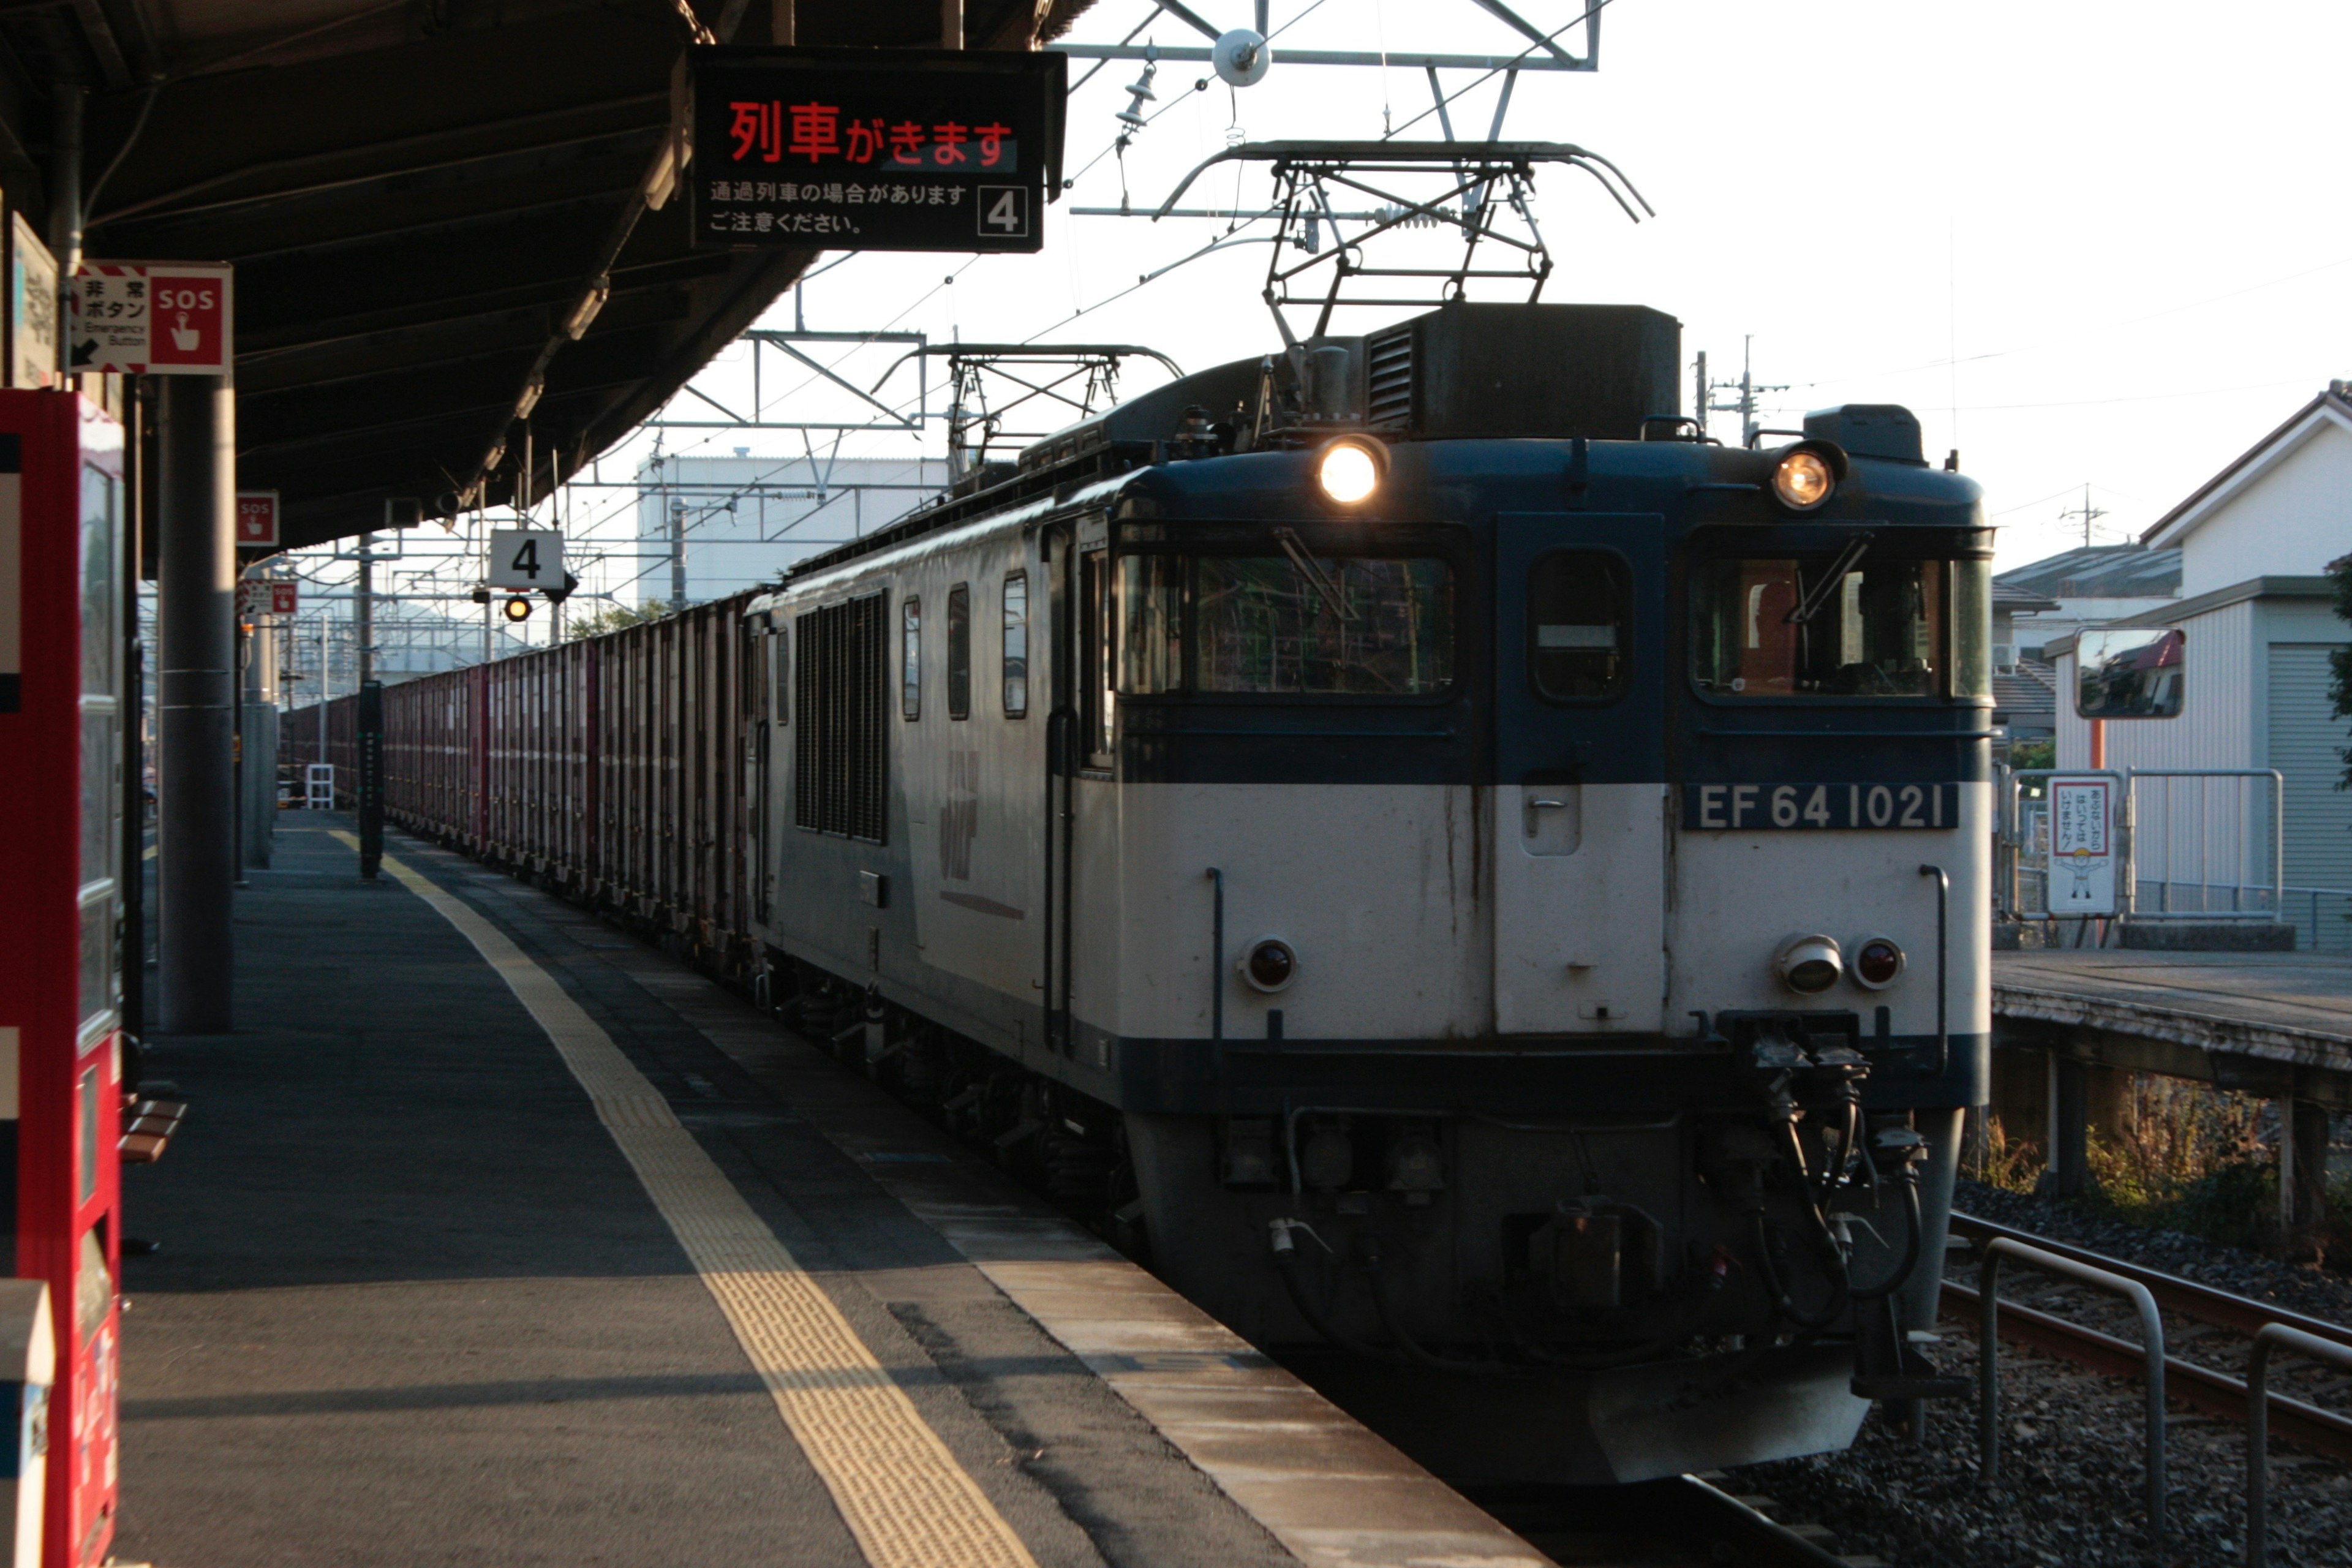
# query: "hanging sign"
268, 598
525, 558
2082, 846
153, 318
32, 307
876, 148
256, 520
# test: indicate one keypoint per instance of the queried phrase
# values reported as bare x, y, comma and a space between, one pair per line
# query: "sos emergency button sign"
152, 318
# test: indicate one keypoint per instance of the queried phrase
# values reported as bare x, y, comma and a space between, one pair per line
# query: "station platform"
495, 1238
2264, 1022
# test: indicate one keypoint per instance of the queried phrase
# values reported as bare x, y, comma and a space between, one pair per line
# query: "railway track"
2192, 1382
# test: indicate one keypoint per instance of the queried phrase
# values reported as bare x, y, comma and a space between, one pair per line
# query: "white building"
2254, 542
707, 527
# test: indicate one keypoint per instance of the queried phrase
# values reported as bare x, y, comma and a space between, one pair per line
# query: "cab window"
1797, 627
1580, 625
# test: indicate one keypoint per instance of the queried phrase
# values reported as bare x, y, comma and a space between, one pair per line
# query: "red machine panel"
61, 505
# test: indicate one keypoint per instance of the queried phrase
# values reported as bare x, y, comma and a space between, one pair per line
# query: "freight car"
1464, 872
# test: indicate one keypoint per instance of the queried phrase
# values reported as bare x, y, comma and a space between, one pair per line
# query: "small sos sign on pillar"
153, 318
256, 520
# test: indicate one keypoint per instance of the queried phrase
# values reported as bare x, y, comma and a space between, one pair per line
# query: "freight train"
1485, 888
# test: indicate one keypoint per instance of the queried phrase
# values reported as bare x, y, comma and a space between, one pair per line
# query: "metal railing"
2171, 863
2151, 1328
2322, 917
2274, 1336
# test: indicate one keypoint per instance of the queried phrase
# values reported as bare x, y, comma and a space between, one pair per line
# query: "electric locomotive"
1486, 884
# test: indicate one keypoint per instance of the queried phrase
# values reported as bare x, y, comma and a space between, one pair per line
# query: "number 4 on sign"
525, 558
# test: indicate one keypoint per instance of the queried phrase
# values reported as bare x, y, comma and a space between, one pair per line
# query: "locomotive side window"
1099, 703
1150, 624
1016, 645
1972, 628
910, 659
842, 688
1333, 626
1787, 628
960, 651
1580, 625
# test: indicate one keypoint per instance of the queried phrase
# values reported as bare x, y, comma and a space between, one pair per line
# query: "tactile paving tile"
903, 1495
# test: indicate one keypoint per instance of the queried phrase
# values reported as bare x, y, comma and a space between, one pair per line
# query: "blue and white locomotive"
1468, 874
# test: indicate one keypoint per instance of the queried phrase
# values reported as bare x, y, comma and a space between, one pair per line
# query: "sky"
2087, 244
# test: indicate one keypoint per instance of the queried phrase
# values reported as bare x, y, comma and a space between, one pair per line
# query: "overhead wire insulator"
1140, 89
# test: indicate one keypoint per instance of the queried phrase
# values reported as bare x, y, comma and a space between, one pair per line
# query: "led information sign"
876, 148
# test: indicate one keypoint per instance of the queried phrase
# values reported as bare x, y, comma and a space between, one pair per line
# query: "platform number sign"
526, 559
1004, 211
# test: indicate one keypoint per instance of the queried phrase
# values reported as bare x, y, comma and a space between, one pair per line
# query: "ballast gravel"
2073, 1489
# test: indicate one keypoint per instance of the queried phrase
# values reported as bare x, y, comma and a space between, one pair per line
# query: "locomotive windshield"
1855, 625
1287, 623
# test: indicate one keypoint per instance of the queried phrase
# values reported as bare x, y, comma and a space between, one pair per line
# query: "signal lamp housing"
1270, 964
518, 608
1348, 471
1807, 476
1877, 962
1809, 965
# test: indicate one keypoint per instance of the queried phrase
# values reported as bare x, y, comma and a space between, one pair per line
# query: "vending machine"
62, 794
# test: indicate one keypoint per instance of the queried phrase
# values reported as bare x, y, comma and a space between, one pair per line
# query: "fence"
2192, 844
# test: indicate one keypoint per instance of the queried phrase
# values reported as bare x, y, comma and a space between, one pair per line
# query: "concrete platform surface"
493, 1237
2292, 1007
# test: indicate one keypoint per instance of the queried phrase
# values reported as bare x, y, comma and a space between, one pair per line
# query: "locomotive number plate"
1747, 807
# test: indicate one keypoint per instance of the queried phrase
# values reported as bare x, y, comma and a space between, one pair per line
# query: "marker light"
1877, 962
1809, 964
1347, 471
518, 609
1803, 479
1270, 965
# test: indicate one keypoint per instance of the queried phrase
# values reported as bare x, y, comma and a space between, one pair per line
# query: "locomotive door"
1580, 859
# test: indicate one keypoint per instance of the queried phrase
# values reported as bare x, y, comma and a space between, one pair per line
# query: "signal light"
1270, 965
1877, 962
518, 608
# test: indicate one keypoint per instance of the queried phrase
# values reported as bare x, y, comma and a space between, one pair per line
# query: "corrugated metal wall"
2306, 745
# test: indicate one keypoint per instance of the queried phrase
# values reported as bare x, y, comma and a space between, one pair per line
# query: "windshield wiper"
1818, 594
1289, 538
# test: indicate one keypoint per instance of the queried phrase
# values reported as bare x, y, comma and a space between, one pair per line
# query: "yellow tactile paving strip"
901, 1492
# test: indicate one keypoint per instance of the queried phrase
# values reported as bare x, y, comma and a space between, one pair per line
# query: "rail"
2274, 1336
2151, 1325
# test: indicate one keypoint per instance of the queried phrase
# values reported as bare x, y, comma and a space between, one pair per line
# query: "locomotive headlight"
1809, 965
1270, 964
1349, 471
1804, 479
1877, 962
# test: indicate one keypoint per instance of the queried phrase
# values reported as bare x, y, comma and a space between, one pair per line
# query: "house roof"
2333, 406
2030, 692
2129, 571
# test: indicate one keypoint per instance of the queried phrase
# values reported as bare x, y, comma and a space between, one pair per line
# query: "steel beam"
196, 612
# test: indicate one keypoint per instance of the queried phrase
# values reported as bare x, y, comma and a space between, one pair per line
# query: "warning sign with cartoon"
2082, 845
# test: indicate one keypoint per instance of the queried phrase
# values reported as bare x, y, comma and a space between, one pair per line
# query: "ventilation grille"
838, 689
1389, 373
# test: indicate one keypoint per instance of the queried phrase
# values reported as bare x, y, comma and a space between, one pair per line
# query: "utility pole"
1746, 386
2087, 513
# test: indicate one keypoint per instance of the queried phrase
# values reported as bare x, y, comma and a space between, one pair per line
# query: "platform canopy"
419, 197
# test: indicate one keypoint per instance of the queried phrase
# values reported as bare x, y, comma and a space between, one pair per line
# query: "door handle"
1532, 806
